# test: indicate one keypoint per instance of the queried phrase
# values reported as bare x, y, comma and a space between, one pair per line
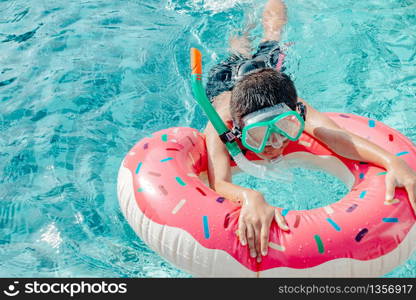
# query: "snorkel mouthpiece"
257, 170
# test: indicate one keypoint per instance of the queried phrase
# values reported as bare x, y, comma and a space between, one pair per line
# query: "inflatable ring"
181, 218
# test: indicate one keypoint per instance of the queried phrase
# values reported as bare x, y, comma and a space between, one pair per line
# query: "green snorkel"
257, 170
203, 101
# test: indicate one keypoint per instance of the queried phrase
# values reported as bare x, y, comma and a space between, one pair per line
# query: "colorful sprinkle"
192, 142
180, 181
178, 206
195, 134
201, 191
319, 243
361, 234
335, 225
163, 190
138, 167
303, 143
191, 175
154, 174
172, 149
328, 209
191, 157
164, 137
206, 226
351, 208
344, 116
363, 193
140, 190
391, 138
390, 220
277, 246
297, 221
226, 220
381, 173
361, 175
145, 146
402, 153
371, 123
220, 199
284, 212
363, 163
166, 159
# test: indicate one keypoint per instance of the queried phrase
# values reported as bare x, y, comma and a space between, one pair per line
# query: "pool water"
82, 81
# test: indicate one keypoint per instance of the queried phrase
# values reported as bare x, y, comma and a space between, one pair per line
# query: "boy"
246, 90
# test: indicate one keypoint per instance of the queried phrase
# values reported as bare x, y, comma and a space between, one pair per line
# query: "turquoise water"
82, 81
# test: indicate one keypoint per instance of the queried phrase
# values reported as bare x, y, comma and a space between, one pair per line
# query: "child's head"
259, 89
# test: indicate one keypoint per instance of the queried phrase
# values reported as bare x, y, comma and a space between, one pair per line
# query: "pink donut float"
166, 202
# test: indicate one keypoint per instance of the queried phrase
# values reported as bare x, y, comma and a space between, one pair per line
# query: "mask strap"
236, 130
302, 110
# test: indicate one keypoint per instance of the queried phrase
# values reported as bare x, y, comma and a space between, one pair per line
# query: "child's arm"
352, 146
256, 215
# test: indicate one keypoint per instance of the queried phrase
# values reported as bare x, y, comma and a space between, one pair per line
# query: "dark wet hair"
259, 89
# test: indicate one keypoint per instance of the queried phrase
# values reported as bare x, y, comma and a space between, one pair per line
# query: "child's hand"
399, 174
254, 223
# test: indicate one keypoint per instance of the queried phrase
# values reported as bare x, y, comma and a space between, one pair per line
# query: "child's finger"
251, 240
264, 238
280, 220
257, 231
390, 187
242, 233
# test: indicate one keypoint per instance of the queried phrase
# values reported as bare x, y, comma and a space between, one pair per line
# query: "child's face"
271, 153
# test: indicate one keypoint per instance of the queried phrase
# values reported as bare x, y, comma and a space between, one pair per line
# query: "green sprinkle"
180, 181
371, 123
381, 173
140, 190
164, 137
138, 167
402, 153
319, 243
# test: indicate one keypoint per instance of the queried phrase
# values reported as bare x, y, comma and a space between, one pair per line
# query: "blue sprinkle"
284, 212
138, 167
166, 159
363, 193
335, 225
391, 220
361, 175
402, 153
371, 123
206, 227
